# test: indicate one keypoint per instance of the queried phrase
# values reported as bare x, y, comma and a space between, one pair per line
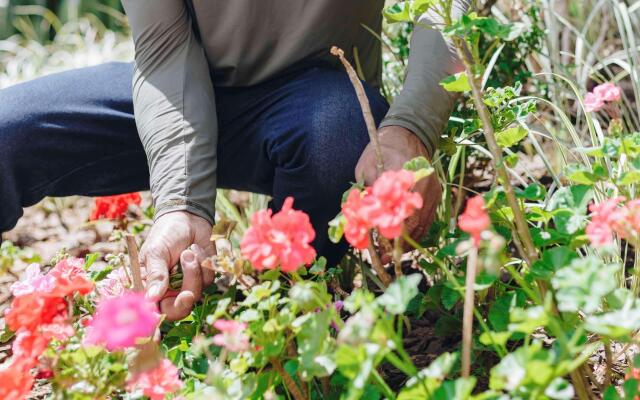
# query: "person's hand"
400, 145
177, 236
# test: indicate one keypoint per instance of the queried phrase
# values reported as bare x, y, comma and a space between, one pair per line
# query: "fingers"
157, 266
179, 307
201, 254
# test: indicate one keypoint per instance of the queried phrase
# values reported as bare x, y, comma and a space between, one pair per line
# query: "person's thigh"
71, 133
298, 136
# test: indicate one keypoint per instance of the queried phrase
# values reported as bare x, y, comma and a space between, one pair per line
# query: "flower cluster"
158, 382
610, 217
113, 207
282, 239
385, 206
39, 314
119, 322
114, 285
602, 94
231, 336
474, 220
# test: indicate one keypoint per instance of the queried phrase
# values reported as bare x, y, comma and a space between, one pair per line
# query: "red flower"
391, 202
113, 207
282, 239
475, 219
70, 277
15, 380
356, 230
385, 205
28, 346
33, 310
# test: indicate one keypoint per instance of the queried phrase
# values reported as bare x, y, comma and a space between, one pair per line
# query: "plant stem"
397, 256
377, 264
530, 253
291, 386
364, 105
467, 316
609, 358
134, 262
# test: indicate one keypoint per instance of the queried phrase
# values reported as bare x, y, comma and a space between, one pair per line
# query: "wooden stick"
385, 278
467, 316
364, 105
289, 383
134, 262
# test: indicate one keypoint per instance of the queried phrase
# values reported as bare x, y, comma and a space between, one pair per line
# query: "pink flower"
356, 230
391, 202
474, 220
606, 218
70, 277
164, 379
593, 102
120, 321
114, 285
231, 335
608, 92
33, 281
282, 239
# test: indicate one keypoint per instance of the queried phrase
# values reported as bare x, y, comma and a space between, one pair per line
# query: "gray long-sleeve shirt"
186, 48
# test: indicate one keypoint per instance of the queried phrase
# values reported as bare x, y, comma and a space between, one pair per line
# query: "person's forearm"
424, 106
174, 107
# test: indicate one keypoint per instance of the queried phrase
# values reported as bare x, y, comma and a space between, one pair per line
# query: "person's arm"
175, 113
423, 106
417, 117
174, 107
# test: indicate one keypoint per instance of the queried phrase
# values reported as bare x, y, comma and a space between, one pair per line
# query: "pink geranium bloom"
231, 336
114, 285
281, 239
474, 220
606, 218
33, 281
593, 102
391, 202
608, 92
70, 277
164, 379
357, 226
120, 322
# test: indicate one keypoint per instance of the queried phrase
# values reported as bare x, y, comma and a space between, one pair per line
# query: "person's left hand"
400, 145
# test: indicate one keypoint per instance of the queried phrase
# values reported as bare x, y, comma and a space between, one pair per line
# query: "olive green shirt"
187, 48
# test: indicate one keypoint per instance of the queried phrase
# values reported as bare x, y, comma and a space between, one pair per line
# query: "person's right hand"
177, 236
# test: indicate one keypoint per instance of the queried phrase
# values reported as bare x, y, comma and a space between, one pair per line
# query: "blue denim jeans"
74, 133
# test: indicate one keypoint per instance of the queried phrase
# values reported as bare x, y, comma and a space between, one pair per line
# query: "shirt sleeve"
423, 106
174, 107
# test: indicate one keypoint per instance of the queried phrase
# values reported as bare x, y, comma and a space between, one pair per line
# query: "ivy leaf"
420, 166
398, 295
618, 324
456, 83
583, 284
511, 136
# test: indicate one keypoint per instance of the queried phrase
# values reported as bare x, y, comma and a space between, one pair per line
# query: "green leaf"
399, 12
309, 295
583, 284
501, 308
336, 228
460, 389
398, 295
456, 83
629, 178
528, 365
534, 191
420, 166
450, 297
511, 136
527, 320
618, 324
560, 389
552, 260
495, 338
314, 346
419, 7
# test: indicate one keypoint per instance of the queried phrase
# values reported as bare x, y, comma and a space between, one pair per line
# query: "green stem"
382, 385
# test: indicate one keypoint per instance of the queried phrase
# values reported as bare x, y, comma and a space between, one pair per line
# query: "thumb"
157, 276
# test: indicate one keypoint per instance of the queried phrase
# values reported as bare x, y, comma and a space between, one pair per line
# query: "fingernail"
194, 247
153, 292
188, 256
